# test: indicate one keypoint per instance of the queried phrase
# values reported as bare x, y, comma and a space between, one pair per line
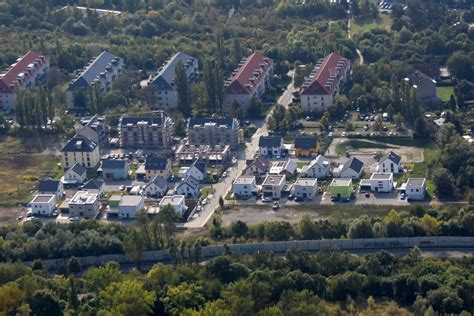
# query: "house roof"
381, 176
79, 169
392, 157
84, 197
164, 78
306, 142
354, 164
228, 122
260, 162
159, 182
94, 184
93, 70
130, 200
79, 144
172, 200
274, 179
244, 180
48, 185
43, 198
249, 74
20, 66
200, 165
125, 120
269, 141
306, 181
156, 163
328, 68
190, 181
416, 182
114, 164
340, 182
418, 78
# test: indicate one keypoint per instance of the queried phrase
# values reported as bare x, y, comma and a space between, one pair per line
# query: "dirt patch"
9, 215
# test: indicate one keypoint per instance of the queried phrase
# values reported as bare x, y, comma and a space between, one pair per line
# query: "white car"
344, 134
204, 202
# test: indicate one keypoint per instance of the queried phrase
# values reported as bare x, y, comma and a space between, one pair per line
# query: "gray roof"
201, 165
79, 169
269, 141
260, 162
306, 142
114, 164
229, 122
79, 144
165, 76
94, 184
392, 157
191, 181
93, 71
156, 163
354, 164
415, 182
42, 198
48, 185
124, 120
159, 182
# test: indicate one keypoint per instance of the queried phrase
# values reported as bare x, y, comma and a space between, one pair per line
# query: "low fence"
282, 246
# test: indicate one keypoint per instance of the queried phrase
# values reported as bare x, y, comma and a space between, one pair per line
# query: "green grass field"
365, 25
444, 93
357, 144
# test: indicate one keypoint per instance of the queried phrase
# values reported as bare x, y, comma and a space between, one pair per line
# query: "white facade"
176, 201
244, 186
381, 182
43, 204
273, 186
270, 151
320, 167
84, 204
70, 176
388, 166
348, 173
305, 188
415, 188
130, 205
316, 102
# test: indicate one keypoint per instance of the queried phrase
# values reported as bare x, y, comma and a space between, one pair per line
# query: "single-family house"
176, 201
198, 170
115, 169
43, 204
84, 204
351, 169
157, 187
77, 174
414, 188
273, 185
306, 146
270, 146
257, 167
189, 187
50, 186
319, 167
390, 163
287, 168
305, 188
157, 166
381, 182
340, 189
244, 186
125, 206
94, 186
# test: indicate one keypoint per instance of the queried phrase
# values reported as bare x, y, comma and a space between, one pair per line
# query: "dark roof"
201, 165
48, 185
418, 78
79, 169
164, 79
124, 120
269, 141
393, 157
114, 164
306, 142
79, 144
159, 182
260, 162
93, 184
156, 163
354, 164
191, 181
229, 122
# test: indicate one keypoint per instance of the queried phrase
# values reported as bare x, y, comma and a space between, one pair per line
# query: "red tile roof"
241, 81
328, 67
19, 67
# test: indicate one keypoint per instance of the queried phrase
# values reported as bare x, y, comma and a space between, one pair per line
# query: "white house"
244, 186
287, 168
189, 187
414, 188
198, 170
125, 206
390, 163
351, 169
49, 186
272, 186
94, 186
270, 146
305, 188
381, 182
257, 167
320, 167
176, 201
77, 174
43, 204
157, 187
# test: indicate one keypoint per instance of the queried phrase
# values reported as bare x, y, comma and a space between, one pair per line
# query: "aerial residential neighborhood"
233, 157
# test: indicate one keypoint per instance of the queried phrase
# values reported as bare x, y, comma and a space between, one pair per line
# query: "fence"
282, 246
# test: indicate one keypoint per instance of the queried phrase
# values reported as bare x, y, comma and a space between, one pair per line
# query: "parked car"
276, 205
122, 188
402, 196
266, 200
75, 219
291, 197
204, 201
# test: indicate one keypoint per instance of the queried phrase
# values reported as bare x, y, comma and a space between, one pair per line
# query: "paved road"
223, 187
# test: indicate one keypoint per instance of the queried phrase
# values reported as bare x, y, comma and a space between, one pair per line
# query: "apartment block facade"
145, 132
214, 131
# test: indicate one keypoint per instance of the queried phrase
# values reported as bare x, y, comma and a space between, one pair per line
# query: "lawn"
364, 25
357, 144
445, 93
206, 191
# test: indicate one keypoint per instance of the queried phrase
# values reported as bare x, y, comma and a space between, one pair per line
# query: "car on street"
276, 205
74, 219
266, 200
204, 201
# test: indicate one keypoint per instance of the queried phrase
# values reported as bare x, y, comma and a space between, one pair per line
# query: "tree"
236, 111
361, 228
221, 202
183, 90
74, 265
181, 297
460, 66
239, 228
127, 298
430, 224
452, 103
134, 246
45, 303
308, 229
97, 279
168, 217
444, 182
254, 110
11, 298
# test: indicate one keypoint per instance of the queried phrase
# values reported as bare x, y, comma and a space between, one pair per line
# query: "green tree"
11, 298
134, 246
444, 182
97, 279
460, 66
45, 303
430, 224
183, 296
128, 298
183, 89
74, 265
361, 228
221, 202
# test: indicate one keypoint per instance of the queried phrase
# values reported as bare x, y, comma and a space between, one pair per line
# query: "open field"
365, 25
444, 92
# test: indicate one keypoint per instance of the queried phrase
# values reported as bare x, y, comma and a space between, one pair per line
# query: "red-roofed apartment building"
322, 85
24, 73
248, 80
